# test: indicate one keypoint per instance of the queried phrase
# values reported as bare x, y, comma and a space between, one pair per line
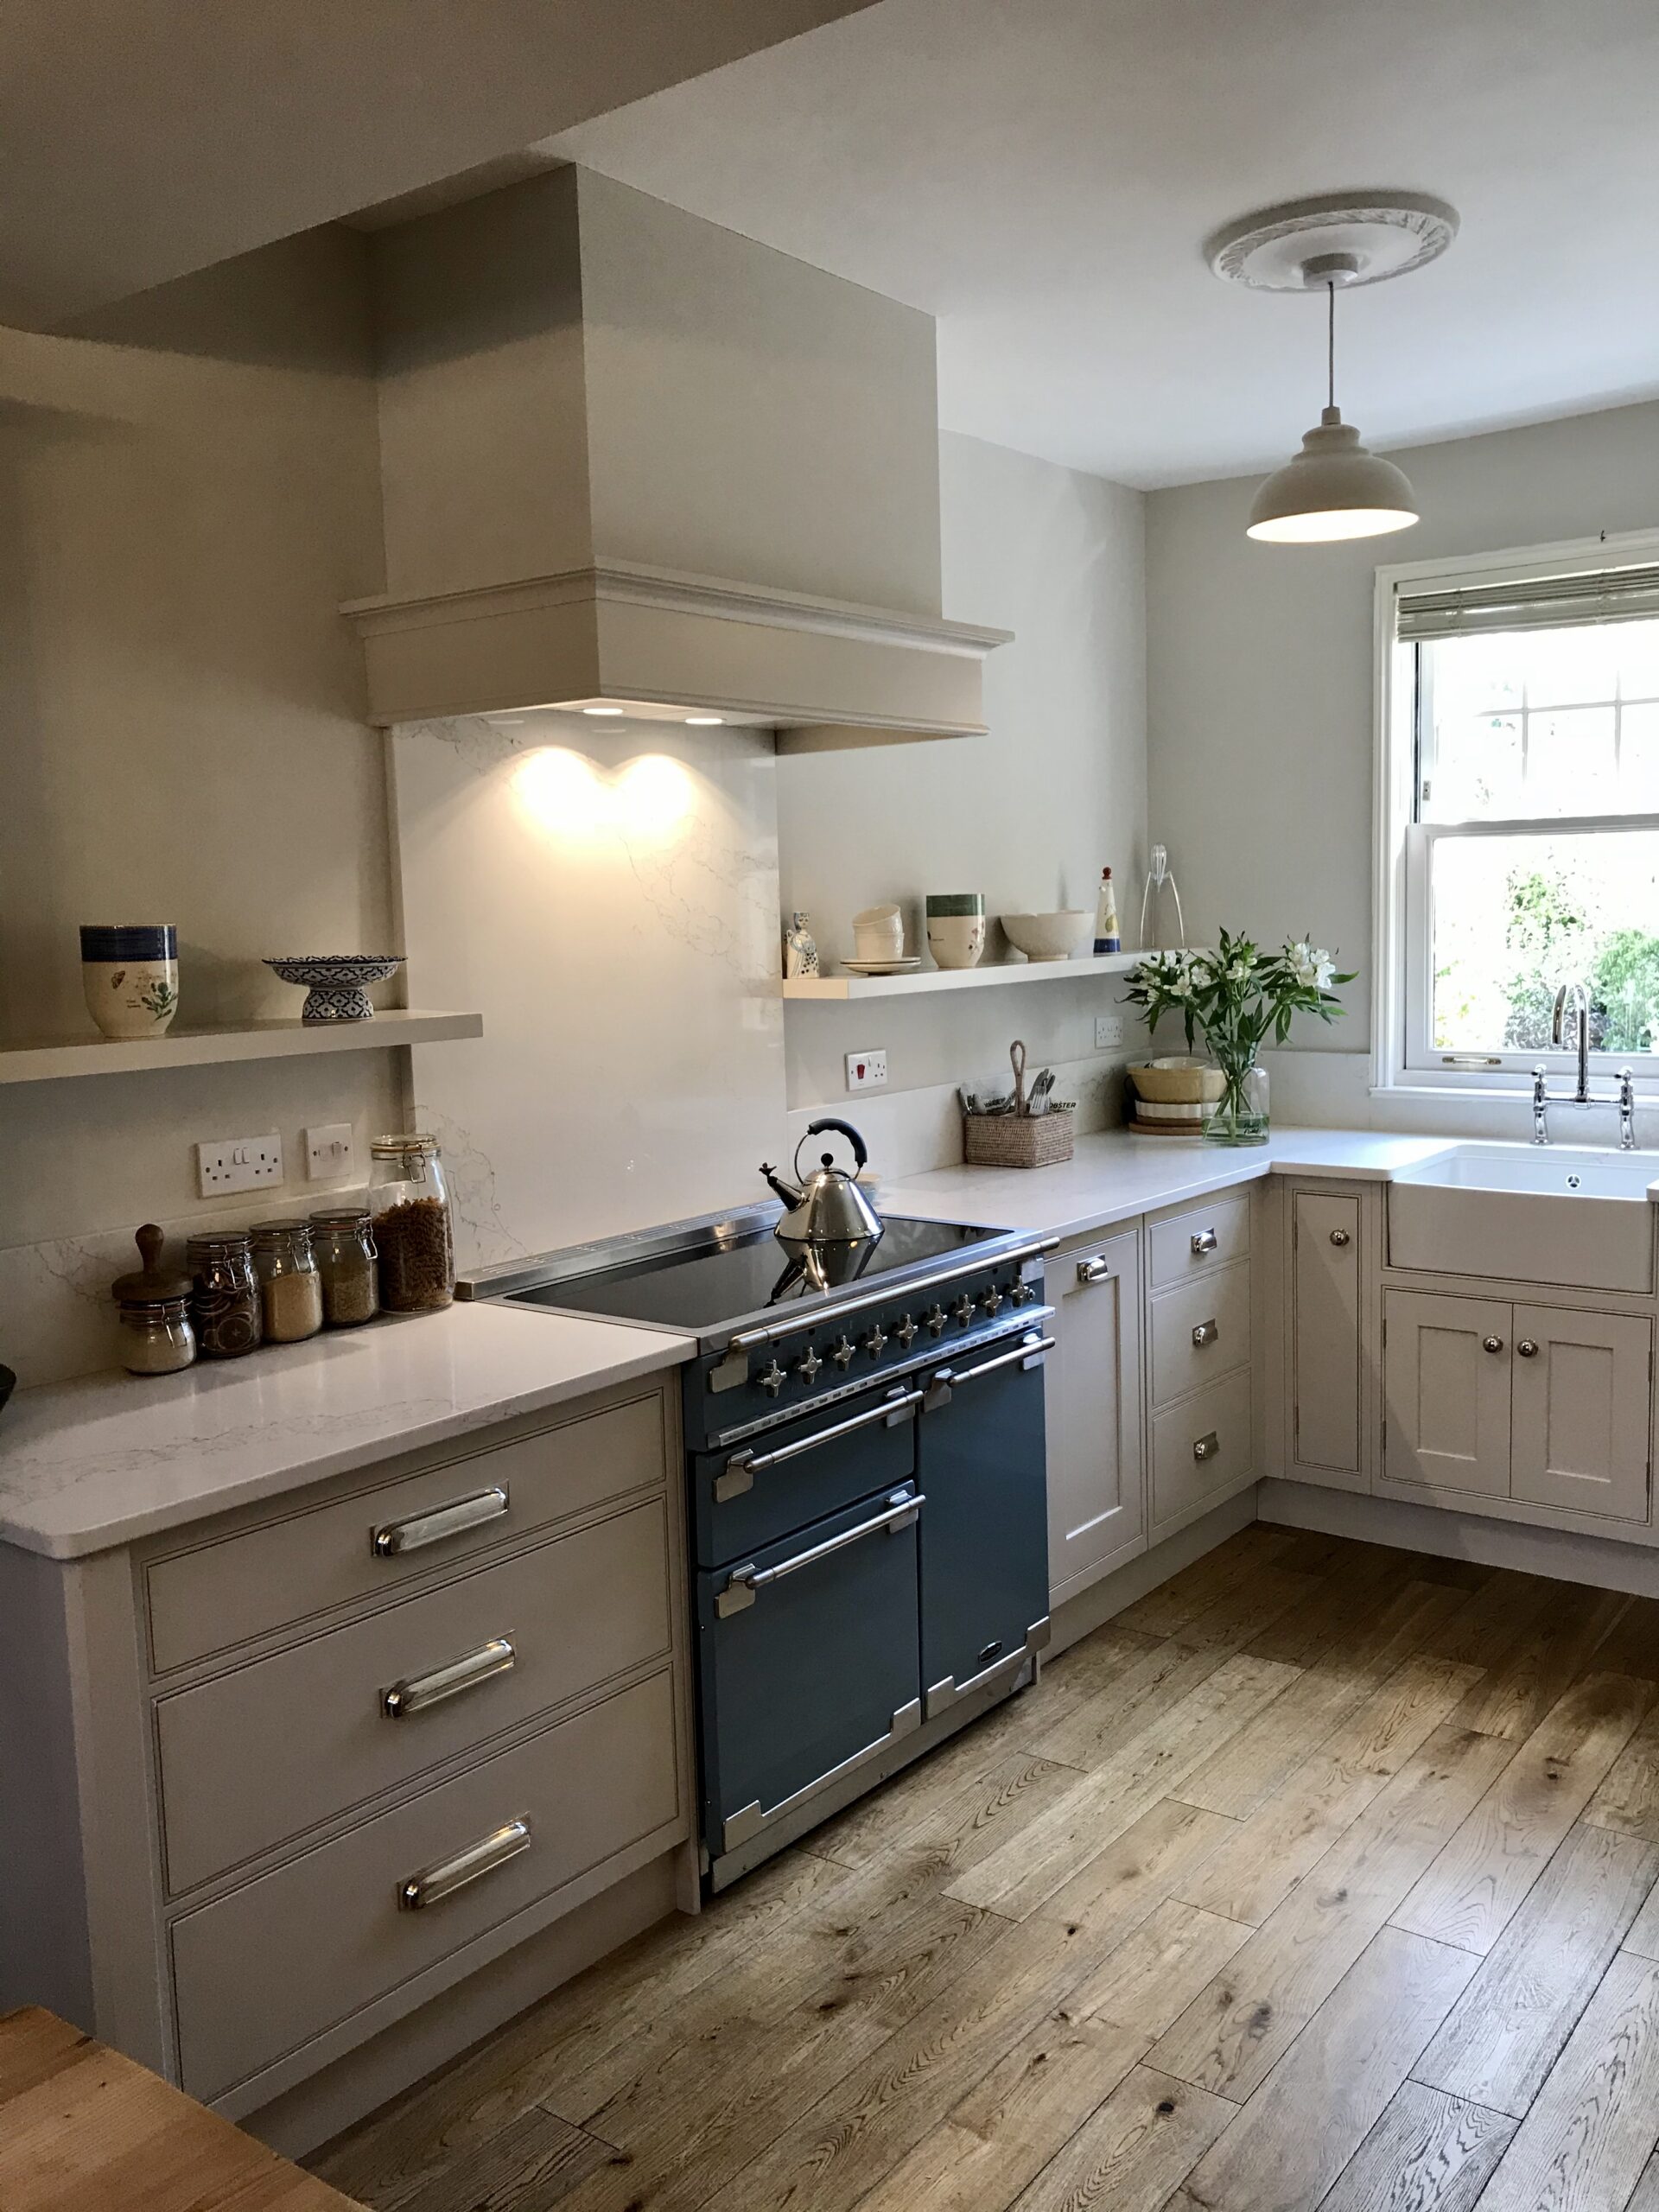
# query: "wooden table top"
84, 2130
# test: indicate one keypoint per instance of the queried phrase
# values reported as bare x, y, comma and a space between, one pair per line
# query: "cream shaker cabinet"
1327, 1283
1092, 1401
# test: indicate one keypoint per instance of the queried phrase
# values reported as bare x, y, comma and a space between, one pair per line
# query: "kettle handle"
861, 1155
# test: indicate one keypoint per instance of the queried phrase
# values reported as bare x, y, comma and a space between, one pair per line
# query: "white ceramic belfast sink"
1528, 1213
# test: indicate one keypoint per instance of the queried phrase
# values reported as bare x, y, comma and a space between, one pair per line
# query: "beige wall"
186, 488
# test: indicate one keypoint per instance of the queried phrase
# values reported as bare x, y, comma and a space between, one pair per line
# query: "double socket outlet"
232, 1164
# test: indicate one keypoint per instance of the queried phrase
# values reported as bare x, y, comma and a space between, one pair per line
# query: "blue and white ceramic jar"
131, 974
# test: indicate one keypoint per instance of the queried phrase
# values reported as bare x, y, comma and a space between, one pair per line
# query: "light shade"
1333, 488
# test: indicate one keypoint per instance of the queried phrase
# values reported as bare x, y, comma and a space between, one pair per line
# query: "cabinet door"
1445, 1367
1581, 1401
1095, 1490
1325, 1338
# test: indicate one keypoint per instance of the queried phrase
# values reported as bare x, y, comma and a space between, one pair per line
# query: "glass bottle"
225, 1293
348, 1262
408, 1201
290, 1289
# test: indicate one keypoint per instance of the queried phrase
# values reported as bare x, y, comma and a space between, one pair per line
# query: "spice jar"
290, 1289
156, 1337
410, 1204
225, 1293
347, 1261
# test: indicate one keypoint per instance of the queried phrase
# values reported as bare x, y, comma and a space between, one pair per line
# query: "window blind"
1629, 595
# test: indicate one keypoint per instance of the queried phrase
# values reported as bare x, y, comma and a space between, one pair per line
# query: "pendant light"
1334, 487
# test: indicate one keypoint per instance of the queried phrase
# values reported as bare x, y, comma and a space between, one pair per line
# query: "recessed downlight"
601, 710
704, 722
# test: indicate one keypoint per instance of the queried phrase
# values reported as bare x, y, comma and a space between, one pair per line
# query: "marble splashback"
605, 892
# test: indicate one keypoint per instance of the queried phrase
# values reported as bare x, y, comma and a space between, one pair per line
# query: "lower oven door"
980, 1458
809, 1662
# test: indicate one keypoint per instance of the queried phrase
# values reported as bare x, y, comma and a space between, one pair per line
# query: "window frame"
1400, 945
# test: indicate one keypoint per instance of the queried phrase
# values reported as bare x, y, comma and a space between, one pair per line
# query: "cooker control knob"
906, 1332
808, 1368
876, 1343
772, 1379
934, 1317
842, 1350
992, 1301
1022, 1293
963, 1309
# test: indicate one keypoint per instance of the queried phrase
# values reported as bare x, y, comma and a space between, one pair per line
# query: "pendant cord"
1331, 344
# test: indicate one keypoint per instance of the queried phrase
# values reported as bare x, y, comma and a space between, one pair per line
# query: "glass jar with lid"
154, 1310
225, 1307
409, 1200
290, 1289
348, 1262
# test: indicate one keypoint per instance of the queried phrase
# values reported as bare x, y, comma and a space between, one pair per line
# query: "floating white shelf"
958, 979
209, 1046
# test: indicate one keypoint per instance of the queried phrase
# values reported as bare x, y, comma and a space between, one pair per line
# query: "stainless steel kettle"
828, 1208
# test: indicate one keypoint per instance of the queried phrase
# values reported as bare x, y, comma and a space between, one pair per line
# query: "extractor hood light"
601, 710
704, 722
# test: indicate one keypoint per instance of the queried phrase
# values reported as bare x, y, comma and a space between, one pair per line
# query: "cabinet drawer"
263, 1970
1202, 1449
222, 1593
266, 1752
1200, 1332
1182, 1247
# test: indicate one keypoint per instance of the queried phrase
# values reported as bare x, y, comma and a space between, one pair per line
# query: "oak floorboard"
1591, 2129
1629, 1798
1507, 2028
534, 2163
1517, 1692
1135, 2149
1151, 1860
1238, 2027
1476, 1884
1353, 1590
1153, 1976
1646, 2190
1632, 1644
1186, 1594
1238, 1615
1490, 1622
1322, 2099
1429, 2152
1095, 1729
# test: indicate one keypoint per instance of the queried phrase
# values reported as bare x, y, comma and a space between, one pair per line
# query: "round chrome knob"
1527, 1348
1492, 1343
876, 1343
1339, 1238
992, 1301
842, 1352
772, 1379
963, 1309
808, 1368
934, 1317
908, 1331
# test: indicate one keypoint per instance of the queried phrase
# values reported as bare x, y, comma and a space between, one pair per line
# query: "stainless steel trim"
1028, 1352
715, 1232
436, 1883
743, 1582
1206, 1240
1039, 1634
416, 1692
883, 1288
392, 1538
749, 1820
741, 1470
1206, 1447
1206, 1332
942, 1696
1092, 1271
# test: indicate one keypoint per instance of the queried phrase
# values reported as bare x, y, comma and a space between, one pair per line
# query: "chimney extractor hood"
631, 460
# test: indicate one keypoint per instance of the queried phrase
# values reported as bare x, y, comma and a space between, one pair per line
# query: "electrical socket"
867, 1071
238, 1164
329, 1153
1108, 1031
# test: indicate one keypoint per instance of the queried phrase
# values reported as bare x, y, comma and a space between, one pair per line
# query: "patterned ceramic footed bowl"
337, 982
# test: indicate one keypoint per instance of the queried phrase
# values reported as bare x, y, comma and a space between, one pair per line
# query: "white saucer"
882, 967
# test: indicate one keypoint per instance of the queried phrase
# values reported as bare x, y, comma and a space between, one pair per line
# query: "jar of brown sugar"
348, 1262
290, 1289
409, 1202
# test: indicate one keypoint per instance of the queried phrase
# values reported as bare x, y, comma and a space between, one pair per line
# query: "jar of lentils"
224, 1294
290, 1289
409, 1202
348, 1263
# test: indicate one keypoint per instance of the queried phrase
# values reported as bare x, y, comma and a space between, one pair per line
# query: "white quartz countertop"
1114, 1176
88, 1465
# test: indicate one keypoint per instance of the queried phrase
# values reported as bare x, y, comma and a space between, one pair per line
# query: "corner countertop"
1115, 1177
89, 1464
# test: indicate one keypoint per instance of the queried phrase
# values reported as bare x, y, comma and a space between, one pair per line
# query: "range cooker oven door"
979, 1458
810, 1663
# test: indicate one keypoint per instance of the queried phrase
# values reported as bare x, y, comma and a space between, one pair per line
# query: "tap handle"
1627, 1087
1540, 1078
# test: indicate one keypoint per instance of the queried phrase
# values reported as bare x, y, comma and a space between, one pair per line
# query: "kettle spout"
786, 1191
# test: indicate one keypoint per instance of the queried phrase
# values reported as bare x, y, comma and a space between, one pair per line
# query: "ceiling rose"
1348, 238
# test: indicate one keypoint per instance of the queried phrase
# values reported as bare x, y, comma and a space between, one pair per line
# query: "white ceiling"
1040, 176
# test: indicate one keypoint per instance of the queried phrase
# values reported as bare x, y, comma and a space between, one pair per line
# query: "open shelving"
921, 980
213, 1044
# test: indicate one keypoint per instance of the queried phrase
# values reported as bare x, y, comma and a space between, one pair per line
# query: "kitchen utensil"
828, 1207
336, 982
1017, 1061
130, 972
956, 927
1049, 937
1160, 877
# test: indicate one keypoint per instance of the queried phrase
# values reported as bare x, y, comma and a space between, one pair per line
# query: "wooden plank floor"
1323, 1876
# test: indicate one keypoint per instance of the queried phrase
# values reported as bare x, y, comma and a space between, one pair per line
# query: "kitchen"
1128, 1423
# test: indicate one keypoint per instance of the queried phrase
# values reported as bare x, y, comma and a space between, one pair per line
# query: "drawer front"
1198, 1242
262, 1970
266, 1752
1203, 1448
1200, 1333
752, 1497
223, 1594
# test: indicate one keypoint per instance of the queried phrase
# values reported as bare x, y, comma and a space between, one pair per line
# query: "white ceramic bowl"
1049, 937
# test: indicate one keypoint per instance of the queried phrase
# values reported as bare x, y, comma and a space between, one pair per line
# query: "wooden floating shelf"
213, 1046
922, 979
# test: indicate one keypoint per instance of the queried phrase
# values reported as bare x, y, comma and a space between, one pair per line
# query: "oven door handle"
743, 1582
1028, 1352
739, 1473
